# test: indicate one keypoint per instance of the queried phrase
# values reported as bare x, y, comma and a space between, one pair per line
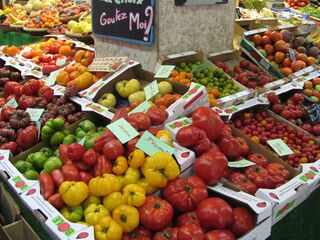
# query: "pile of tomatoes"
297, 3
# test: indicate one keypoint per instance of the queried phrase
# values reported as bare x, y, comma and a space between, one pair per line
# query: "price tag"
280, 147
82, 141
61, 61
264, 63
111, 64
35, 113
52, 78
292, 55
151, 145
241, 164
12, 103
123, 130
164, 71
38, 125
151, 90
143, 107
314, 113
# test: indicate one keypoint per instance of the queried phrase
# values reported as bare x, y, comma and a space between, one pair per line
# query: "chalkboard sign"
314, 113
198, 2
124, 20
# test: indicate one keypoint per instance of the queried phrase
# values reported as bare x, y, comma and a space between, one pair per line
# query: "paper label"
164, 71
143, 107
111, 64
123, 130
52, 78
61, 61
35, 113
12, 103
280, 147
241, 164
151, 90
292, 55
82, 141
151, 145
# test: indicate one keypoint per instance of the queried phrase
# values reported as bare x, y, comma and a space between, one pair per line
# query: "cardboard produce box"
284, 198
18, 230
261, 207
131, 71
199, 57
9, 210
260, 60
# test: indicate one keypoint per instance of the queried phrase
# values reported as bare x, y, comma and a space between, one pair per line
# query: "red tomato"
167, 234
113, 149
70, 172
260, 177
90, 157
139, 233
244, 146
185, 194
259, 159
230, 146
215, 212
75, 151
155, 213
188, 218
243, 182
244, 221
209, 121
278, 172
190, 232
211, 166
220, 234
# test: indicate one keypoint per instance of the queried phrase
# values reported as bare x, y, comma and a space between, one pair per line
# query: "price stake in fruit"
35, 113
123, 130
280, 147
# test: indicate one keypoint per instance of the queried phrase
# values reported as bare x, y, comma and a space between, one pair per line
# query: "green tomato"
50, 124
46, 133
70, 139
39, 160
52, 164
67, 132
87, 126
30, 158
31, 174
23, 166
47, 151
58, 123
57, 139
89, 143
80, 133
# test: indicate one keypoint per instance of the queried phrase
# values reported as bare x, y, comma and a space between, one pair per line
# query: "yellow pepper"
73, 193
93, 213
91, 199
107, 229
134, 195
113, 200
136, 158
102, 186
146, 186
132, 175
127, 217
160, 168
165, 136
120, 165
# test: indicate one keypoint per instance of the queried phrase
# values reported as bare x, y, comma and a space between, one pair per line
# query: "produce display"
261, 127
297, 4
314, 12
218, 84
312, 89
129, 93
247, 74
101, 160
295, 110
9, 74
285, 51
51, 55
